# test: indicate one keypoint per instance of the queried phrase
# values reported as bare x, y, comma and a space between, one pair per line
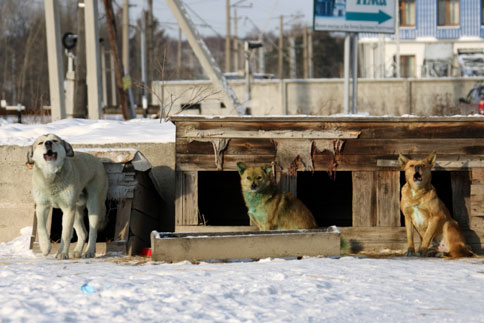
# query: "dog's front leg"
42, 213
409, 229
429, 235
67, 225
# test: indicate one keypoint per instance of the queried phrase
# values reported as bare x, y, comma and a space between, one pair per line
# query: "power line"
262, 32
202, 20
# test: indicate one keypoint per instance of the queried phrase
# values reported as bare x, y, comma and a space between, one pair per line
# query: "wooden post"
125, 33
310, 53
149, 48
93, 60
292, 57
127, 113
103, 78
236, 42
179, 55
305, 53
281, 43
112, 69
80, 87
227, 37
54, 55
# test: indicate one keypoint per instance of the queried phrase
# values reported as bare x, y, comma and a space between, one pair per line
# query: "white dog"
62, 179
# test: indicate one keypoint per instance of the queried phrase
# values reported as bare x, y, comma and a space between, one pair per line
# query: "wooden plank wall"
186, 198
376, 199
379, 138
477, 200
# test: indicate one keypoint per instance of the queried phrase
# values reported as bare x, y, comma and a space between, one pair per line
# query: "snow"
338, 289
84, 131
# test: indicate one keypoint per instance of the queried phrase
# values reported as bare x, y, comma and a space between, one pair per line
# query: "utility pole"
397, 38
292, 57
305, 53
103, 77
346, 89
112, 70
280, 58
80, 88
54, 55
125, 34
144, 99
179, 55
227, 37
93, 61
108, 7
262, 65
125, 44
236, 42
310, 52
381, 50
149, 47
354, 97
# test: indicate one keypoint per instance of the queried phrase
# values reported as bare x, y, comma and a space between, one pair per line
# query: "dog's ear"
267, 169
241, 167
68, 148
30, 154
402, 160
431, 158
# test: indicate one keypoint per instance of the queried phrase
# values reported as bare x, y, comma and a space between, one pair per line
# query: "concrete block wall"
16, 202
421, 97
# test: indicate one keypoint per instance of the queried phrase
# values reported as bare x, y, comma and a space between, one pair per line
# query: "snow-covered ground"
84, 131
346, 289
121, 289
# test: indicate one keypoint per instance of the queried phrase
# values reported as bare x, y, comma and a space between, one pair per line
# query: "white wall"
436, 96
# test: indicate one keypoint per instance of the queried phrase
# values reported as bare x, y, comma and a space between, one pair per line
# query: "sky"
263, 13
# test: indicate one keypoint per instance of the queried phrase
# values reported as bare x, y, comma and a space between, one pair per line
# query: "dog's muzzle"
50, 155
417, 177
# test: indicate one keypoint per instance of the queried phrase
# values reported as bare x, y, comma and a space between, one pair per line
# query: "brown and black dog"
269, 208
424, 211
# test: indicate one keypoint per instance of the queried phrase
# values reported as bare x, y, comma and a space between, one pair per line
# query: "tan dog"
424, 211
71, 182
268, 208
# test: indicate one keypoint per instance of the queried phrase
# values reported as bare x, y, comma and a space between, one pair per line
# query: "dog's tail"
455, 240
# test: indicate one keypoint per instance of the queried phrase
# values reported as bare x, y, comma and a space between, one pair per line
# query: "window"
448, 12
407, 66
407, 13
482, 12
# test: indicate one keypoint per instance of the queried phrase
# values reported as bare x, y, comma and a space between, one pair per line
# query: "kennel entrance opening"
328, 197
220, 200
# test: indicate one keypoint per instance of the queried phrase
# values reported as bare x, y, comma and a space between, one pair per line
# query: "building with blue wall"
436, 38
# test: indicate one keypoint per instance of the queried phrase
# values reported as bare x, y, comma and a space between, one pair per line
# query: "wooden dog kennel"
344, 168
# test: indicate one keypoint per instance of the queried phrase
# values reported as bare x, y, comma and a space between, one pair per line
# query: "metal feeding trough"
173, 247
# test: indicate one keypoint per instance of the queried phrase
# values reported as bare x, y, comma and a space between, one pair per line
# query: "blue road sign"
376, 16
